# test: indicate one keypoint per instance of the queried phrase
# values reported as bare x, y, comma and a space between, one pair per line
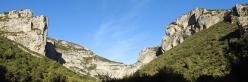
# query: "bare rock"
25, 29
190, 23
147, 55
241, 10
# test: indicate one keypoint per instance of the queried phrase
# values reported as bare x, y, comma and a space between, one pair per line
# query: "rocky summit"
24, 28
199, 19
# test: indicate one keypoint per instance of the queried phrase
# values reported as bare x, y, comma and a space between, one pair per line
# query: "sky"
114, 29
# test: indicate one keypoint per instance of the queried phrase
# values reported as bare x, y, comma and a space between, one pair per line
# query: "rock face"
199, 19
241, 12
194, 21
84, 61
147, 55
25, 29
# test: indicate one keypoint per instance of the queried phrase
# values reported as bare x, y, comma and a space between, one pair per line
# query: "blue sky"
114, 29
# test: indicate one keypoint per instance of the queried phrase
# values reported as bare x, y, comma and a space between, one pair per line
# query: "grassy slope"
217, 54
17, 65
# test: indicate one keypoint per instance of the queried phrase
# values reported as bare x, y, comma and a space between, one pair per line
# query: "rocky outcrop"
25, 29
199, 19
241, 14
147, 55
190, 23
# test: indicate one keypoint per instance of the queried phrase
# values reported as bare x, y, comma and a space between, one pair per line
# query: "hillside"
215, 53
22, 51
17, 65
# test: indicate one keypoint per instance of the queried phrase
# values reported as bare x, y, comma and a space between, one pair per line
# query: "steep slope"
23, 35
216, 54
17, 65
201, 54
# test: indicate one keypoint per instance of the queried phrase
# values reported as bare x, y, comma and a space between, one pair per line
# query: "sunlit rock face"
147, 55
190, 23
241, 12
25, 29
199, 19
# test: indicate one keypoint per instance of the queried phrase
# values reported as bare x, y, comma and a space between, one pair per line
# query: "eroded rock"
190, 23
25, 29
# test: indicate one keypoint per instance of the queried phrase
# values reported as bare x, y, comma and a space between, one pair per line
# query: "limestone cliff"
147, 55
199, 19
25, 29
240, 13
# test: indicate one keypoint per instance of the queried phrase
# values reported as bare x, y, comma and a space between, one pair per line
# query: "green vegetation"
217, 54
19, 66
